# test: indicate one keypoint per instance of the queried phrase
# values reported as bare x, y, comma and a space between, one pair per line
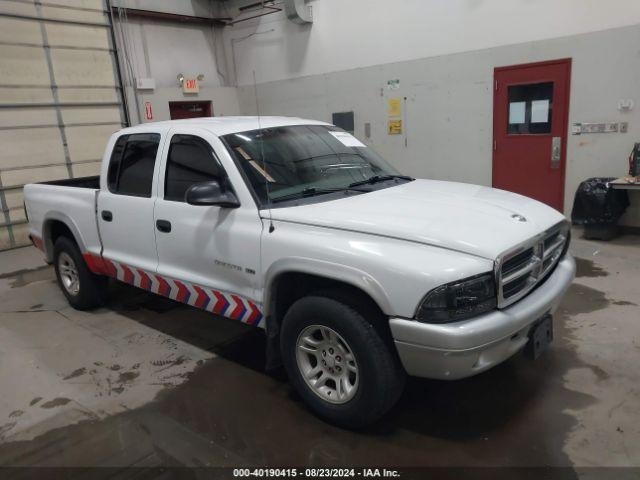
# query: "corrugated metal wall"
60, 98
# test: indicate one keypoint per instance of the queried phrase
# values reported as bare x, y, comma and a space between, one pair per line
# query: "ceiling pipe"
298, 12
172, 17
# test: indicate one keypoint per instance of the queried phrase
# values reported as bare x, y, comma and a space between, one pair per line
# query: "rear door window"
132, 164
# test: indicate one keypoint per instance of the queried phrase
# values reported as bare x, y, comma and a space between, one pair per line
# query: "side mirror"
211, 193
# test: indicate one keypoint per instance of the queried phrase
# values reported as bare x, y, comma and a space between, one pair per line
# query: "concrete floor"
149, 382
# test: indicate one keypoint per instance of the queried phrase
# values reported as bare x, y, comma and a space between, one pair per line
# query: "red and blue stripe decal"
220, 303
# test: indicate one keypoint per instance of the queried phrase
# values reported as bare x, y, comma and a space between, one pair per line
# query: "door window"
191, 160
132, 162
530, 108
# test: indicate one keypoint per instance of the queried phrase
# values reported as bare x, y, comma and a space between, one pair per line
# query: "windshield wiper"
313, 191
380, 178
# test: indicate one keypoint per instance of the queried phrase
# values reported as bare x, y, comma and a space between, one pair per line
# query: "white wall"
349, 34
171, 48
161, 49
449, 111
443, 51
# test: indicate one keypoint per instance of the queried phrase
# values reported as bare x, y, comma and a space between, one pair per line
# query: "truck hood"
457, 216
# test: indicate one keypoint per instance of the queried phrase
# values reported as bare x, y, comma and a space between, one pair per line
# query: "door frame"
567, 62
207, 103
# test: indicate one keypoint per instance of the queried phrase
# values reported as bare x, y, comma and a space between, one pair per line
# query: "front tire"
338, 362
83, 289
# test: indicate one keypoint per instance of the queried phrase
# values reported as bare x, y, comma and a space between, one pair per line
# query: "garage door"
60, 98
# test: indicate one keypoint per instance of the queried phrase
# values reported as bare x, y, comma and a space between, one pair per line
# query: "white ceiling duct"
297, 11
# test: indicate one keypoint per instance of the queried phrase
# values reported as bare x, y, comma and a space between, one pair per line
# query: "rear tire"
83, 289
338, 362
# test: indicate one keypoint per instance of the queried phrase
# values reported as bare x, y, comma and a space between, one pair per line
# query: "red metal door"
530, 116
180, 110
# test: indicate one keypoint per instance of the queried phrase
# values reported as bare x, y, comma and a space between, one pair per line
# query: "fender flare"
56, 216
333, 271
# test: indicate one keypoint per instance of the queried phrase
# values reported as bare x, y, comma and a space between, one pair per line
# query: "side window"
191, 160
114, 162
131, 165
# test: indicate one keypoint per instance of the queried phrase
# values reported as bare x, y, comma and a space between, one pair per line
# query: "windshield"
305, 160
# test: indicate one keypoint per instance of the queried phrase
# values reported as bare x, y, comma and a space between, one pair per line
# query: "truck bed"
72, 202
80, 182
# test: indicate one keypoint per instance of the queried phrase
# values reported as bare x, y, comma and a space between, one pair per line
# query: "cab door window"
191, 160
132, 163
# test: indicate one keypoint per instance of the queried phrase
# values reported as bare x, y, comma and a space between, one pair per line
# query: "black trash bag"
596, 203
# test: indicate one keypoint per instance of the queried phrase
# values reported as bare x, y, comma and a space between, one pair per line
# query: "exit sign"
190, 85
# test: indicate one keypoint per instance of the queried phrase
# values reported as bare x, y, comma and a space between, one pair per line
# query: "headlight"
459, 300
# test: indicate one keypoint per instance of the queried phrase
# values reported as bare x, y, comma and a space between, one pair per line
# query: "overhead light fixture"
200, 77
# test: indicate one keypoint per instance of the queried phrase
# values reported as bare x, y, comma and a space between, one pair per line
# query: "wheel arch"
290, 279
58, 224
328, 272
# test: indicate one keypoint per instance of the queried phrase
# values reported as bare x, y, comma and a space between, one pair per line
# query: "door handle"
556, 152
107, 216
163, 226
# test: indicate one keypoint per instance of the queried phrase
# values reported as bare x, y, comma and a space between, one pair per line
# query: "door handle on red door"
556, 152
163, 225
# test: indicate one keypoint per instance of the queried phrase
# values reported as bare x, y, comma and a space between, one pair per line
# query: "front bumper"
462, 349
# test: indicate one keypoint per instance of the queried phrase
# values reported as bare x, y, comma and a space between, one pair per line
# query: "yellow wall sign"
394, 107
394, 127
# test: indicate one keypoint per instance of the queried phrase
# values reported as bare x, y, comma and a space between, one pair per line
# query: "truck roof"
224, 125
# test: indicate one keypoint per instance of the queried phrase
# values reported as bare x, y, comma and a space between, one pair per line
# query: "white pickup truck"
359, 275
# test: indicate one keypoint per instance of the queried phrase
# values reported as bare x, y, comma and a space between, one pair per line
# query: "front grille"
521, 269
516, 263
512, 288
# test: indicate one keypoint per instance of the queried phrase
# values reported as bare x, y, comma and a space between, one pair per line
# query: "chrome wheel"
327, 364
68, 273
